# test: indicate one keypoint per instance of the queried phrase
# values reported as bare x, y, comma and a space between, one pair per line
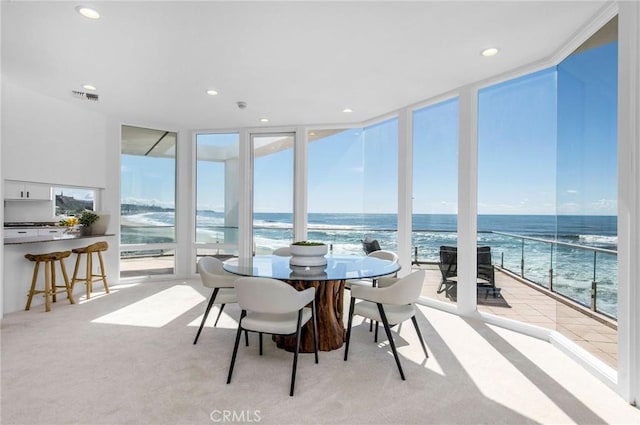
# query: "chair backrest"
448, 261
485, 265
370, 246
213, 274
284, 251
385, 255
406, 290
265, 295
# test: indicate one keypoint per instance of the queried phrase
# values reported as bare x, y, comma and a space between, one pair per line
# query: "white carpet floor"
128, 358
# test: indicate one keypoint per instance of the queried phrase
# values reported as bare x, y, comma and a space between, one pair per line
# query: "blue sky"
546, 145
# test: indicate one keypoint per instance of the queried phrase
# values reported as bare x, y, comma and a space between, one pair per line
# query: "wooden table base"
329, 310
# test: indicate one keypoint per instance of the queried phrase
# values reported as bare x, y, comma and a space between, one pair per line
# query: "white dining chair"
274, 307
390, 305
213, 275
383, 255
283, 251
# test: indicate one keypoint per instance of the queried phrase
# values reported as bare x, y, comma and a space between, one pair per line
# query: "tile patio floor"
521, 302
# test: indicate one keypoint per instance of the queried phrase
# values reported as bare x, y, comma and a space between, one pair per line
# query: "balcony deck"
518, 301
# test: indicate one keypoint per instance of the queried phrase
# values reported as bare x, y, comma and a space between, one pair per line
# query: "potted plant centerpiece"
308, 254
86, 219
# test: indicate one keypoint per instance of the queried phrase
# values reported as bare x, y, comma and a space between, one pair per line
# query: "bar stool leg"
104, 277
75, 272
66, 282
54, 285
89, 273
36, 268
47, 286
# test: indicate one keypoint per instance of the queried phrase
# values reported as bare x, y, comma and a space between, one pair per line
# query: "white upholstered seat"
274, 307
213, 275
383, 255
390, 305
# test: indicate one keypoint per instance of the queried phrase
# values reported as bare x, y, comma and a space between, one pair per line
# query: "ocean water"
572, 269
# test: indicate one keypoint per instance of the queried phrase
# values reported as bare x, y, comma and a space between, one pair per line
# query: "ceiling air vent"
83, 95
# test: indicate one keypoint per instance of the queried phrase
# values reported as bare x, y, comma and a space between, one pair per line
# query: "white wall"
46, 140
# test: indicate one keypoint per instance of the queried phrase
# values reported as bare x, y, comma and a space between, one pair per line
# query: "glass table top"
339, 267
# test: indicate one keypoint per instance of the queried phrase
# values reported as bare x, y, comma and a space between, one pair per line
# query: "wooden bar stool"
50, 286
95, 248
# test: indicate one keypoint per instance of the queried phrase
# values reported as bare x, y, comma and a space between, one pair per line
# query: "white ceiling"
292, 62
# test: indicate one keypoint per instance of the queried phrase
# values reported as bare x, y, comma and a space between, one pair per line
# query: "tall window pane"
353, 180
587, 192
435, 197
147, 209
272, 191
217, 194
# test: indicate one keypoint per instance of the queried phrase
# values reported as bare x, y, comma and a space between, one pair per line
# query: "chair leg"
235, 346
206, 313
393, 345
246, 338
33, 285
67, 285
315, 328
54, 285
104, 277
47, 286
75, 272
260, 339
89, 276
219, 313
375, 336
346, 348
415, 325
295, 355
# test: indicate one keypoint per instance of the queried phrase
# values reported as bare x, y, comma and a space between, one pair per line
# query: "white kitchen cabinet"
51, 232
27, 191
20, 233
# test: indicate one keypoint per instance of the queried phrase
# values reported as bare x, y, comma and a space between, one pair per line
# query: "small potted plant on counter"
86, 219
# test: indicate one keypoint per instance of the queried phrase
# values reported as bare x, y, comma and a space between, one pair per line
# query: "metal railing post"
522, 261
551, 270
594, 284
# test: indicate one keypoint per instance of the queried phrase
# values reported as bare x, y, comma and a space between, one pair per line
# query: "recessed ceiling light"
88, 87
347, 110
212, 92
491, 51
87, 12
264, 119
312, 133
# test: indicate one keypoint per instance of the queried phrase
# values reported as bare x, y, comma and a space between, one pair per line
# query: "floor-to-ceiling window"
435, 197
587, 174
547, 195
272, 191
147, 205
217, 194
352, 187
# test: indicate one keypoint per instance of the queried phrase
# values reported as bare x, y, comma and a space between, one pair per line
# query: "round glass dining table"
329, 282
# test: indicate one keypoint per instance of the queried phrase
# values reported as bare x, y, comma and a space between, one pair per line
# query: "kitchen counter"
49, 238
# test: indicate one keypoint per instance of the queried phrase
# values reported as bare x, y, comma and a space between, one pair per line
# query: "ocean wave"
598, 239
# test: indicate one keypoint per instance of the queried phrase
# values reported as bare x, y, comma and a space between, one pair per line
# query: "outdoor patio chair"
370, 245
485, 278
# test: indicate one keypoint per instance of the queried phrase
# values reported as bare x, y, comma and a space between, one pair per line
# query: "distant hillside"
67, 205
129, 209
